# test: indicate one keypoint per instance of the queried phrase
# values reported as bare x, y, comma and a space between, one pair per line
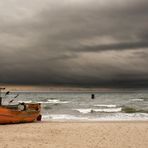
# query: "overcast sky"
86, 43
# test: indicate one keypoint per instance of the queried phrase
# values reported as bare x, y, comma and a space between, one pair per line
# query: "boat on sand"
20, 113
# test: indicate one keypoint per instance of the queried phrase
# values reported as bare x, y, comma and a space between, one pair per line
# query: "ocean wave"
43, 102
29, 101
62, 117
47, 102
55, 101
127, 109
125, 117
84, 111
105, 105
106, 110
137, 100
113, 117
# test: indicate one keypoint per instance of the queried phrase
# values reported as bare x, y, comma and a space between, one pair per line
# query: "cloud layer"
86, 43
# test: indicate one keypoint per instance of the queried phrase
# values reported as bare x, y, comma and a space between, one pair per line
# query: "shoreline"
91, 121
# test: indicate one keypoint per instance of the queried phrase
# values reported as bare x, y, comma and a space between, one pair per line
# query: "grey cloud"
119, 46
51, 43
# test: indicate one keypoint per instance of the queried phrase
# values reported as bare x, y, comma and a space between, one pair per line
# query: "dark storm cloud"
58, 42
119, 46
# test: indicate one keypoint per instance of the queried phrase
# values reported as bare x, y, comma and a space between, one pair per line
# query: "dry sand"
75, 135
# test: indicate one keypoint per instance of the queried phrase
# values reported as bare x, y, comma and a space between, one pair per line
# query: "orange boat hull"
30, 114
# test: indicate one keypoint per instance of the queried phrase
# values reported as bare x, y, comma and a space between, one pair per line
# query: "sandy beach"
130, 134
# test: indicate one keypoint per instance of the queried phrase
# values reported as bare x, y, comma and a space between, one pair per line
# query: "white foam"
105, 105
84, 111
52, 101
48, 102
43, 102
115, 117
107, 110
125, 117
33, 102
62, 117
29, 101
138, 100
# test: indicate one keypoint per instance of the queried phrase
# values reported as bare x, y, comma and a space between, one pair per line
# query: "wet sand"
129, 134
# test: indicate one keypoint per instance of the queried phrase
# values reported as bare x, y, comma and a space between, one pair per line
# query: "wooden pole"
92, 96
1, 95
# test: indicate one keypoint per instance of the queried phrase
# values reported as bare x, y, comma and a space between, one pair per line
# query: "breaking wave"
106, 110
138, 100
62, 117
113, 117
50, 101
53, 101
105, 105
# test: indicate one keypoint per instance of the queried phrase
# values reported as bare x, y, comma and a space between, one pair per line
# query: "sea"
79, 106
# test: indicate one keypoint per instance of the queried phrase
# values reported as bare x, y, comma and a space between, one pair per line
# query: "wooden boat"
21, 113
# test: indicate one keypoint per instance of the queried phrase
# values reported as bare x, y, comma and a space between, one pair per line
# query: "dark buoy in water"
92, 96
